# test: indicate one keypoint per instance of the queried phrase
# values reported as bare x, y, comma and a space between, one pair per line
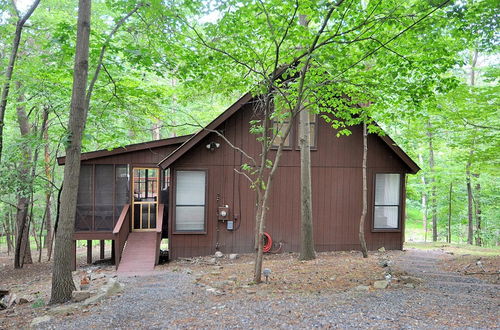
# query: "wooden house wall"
336, 187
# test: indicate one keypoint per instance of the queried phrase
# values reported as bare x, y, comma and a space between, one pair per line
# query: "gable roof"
177, 153
191, 142
129, 148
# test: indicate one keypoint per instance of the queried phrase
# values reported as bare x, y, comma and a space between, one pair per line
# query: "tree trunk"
8, 234
477, 199
35, 234
62, 280
10, 68
364, 208
424, 200
449, 213
306, 232
23, 248
470, 219
470, 212
432, 182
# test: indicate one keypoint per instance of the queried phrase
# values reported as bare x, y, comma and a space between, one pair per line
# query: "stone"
64, 310
112, 287
382, 249
215, 273
385, 263
37, 321
233, 278
250, 291
22, 300
411, 279
333, 278
94, 299
98, 276
362, 288
234, 256
381, 284
77, 296
410, 285
8, 301
219, 254
212, 261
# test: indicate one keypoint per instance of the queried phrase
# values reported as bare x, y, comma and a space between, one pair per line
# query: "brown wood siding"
336, 178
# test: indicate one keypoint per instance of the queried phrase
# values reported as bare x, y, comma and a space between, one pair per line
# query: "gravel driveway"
172, 300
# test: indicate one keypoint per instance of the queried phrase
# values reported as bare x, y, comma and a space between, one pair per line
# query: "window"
279, 129
84, 205
102, 193
387, 201
313, 123
103, 200
190, 199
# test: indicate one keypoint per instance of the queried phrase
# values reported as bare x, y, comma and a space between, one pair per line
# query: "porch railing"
120, 232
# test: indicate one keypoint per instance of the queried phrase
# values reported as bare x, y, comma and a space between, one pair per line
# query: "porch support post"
73, 260
113, 255
102, 246
89, 252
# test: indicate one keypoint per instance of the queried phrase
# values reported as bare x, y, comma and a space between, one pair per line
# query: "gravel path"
172, 300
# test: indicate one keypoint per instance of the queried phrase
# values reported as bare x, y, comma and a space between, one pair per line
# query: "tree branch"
103, 51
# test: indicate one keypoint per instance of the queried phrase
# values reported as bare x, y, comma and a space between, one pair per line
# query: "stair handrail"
159, 228
121, 219
120, 233
159, 223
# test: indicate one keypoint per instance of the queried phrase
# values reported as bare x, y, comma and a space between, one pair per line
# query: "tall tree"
62, 280
10, 66
364, 207
306, 214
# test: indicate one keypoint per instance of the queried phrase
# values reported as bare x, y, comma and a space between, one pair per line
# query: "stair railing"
159, 226
120, 233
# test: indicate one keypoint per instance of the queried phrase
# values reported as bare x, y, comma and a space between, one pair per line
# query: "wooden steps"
139, 254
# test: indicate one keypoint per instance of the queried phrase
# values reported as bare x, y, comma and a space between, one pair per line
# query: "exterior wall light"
213, 145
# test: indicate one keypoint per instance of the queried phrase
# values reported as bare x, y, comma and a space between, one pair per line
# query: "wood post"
74, 255
89, 252
102, 246
113, 256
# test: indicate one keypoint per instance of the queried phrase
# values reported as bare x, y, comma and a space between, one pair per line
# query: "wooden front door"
145, 187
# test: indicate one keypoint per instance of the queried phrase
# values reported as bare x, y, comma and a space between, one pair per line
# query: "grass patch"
456, 248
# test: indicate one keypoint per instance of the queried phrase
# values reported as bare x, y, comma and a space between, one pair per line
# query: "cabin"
185, 191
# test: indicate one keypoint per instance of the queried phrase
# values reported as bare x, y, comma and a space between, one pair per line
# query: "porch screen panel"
387, 201
190, 201
122, 189
104, 184
84, 203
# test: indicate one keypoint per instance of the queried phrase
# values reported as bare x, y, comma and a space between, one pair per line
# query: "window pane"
104, 197
190, 200
190, 188
122, 189
190, 218
84, 204
312, 136
280, 129
312, 117
387, 189
386, 217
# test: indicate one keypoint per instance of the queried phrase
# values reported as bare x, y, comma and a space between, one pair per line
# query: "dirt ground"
426, 289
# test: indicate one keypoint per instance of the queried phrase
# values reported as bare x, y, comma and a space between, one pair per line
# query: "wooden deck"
139, 254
